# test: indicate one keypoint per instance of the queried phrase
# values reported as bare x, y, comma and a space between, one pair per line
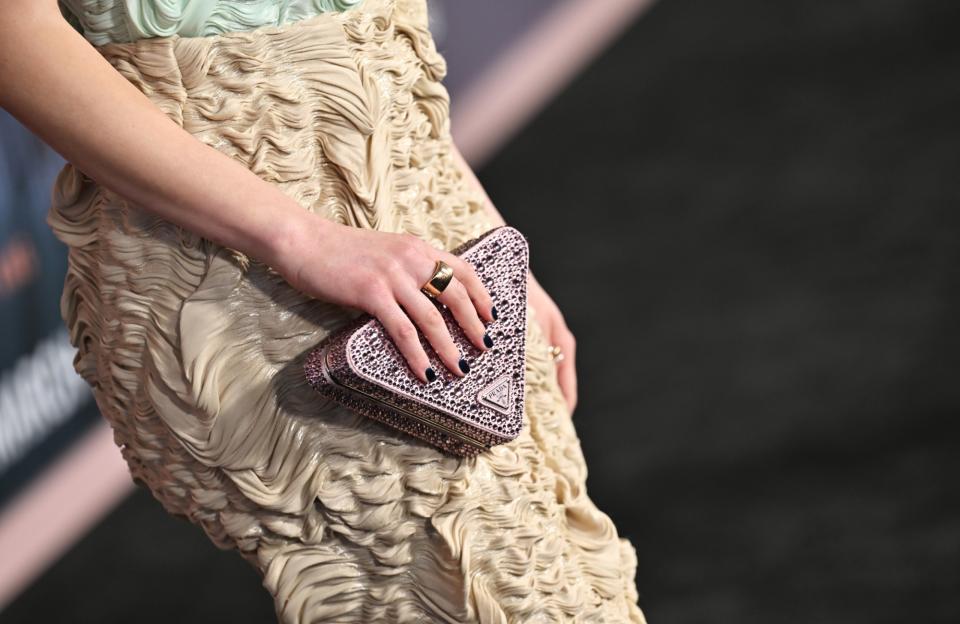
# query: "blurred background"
747, 212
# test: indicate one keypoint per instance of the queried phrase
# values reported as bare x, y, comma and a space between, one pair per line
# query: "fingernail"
487, 340
430, 373
493, 312
464, 366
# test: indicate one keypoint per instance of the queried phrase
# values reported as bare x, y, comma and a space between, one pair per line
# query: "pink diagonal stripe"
534, 70
65, 502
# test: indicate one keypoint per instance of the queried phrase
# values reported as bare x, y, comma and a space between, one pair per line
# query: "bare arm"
60, 87
57, 84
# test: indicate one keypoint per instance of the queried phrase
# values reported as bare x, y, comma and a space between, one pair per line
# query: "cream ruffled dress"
195, 352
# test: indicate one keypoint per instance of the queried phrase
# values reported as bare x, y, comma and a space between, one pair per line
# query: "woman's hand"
557, 333
381, 273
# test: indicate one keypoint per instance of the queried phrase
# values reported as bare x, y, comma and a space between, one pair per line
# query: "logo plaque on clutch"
498, 394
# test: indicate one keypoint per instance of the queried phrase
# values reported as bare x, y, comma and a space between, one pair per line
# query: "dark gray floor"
748, 212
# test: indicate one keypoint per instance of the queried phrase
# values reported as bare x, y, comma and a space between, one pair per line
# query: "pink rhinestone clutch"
360, 367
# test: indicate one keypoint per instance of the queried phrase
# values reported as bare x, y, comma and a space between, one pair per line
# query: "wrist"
289, 234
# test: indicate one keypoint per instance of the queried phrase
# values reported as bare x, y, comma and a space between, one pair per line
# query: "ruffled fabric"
195, 352
123, 21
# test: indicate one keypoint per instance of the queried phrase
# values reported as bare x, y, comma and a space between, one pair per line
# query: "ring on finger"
438, 282
556, 353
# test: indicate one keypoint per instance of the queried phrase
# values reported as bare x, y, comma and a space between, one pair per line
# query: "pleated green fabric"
122, 21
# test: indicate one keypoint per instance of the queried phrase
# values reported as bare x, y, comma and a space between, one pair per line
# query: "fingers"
457, 299
466, 273
403, 308
429, 319
404, 335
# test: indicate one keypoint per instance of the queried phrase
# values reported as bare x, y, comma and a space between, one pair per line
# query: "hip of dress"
346, 113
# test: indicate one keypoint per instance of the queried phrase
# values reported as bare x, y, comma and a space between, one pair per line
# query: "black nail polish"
493, 312
464, 366
430, 373
487, 340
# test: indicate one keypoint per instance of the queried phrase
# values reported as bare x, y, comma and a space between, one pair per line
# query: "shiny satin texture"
122, 21
195, 352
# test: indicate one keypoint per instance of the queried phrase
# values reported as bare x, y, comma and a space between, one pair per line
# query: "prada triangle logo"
498, 394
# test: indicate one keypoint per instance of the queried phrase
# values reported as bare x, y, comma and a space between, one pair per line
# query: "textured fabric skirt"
194, 351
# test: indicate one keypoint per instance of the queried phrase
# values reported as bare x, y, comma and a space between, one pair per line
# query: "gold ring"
442, 274
556, 353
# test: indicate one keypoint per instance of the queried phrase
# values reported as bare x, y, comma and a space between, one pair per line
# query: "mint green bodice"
107, 21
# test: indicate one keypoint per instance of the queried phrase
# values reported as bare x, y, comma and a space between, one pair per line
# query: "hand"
557, 333
381, 273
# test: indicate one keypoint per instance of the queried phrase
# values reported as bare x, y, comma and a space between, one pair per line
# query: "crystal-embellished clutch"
360, 366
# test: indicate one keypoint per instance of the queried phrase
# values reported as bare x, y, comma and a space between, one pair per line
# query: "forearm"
60, 87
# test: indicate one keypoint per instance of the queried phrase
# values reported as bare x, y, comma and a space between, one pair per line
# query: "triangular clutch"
360, 367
